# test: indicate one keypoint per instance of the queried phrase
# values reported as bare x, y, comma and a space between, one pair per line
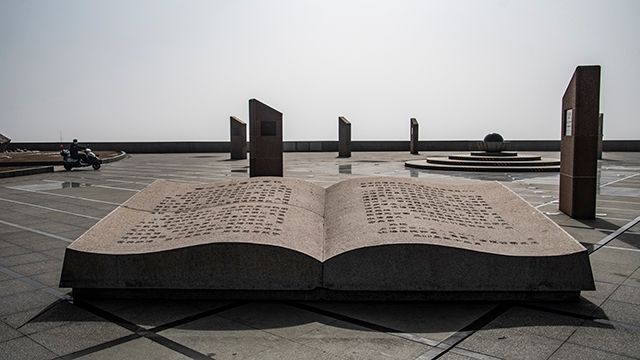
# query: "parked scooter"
89, 159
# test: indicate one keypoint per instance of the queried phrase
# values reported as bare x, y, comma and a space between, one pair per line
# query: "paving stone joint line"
593, 248
151, 334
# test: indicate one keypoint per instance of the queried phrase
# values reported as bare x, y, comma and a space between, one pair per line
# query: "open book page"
169, 215
478, 216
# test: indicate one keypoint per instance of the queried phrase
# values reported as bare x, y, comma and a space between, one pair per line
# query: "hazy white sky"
176, 70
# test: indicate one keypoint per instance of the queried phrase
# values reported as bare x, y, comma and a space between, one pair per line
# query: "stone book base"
376, 238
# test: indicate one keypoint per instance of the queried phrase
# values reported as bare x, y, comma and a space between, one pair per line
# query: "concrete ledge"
26, 171
135, 147
621, 145
323, 146
120, 156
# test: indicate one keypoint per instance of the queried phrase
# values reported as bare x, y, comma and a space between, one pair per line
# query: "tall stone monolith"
4, 142
344, 137
265, 140
413, 137
238, 138
579, 143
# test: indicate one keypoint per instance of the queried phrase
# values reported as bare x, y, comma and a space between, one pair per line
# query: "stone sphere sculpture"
493, 143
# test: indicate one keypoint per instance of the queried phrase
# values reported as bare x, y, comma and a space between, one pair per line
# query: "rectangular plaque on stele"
579, 143
372, 238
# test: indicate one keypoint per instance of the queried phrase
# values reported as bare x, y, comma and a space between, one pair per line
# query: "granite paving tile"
18, 319
15, 217
7, 332
459, 354
611, 272
12, 250
621, 311
153, 313
51, 227
28, 258
14, 286
58, 314
621, 244
609, 255
289, 350
4, 244
56, 253
602, 292
23, 348
50, 279
76, 336
355, 342
434, 321
6, 230
628, 294
4, 276
50, 265
222, 338
23, 301
140, 348
536, 322
615, 338
40, 242
276, 318
511, 343
570, 351
633, 280
585, 235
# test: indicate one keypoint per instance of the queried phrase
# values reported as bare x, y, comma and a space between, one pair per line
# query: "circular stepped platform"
500, 153
483, 161
492, 157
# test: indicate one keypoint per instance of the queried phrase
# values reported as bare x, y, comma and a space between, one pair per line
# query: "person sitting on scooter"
73, 150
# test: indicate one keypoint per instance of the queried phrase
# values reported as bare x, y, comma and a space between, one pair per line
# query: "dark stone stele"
413, 137
579, 143
265, 137
4, 143
238, 138
344, 137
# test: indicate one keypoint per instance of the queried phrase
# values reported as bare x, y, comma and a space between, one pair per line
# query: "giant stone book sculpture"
364, 238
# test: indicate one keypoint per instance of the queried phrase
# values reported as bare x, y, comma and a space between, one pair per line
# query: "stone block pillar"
265, 138
4, 143
413, 139
344, 137
238, 138
579, 143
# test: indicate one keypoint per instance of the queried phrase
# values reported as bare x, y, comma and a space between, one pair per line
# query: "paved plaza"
42, 214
